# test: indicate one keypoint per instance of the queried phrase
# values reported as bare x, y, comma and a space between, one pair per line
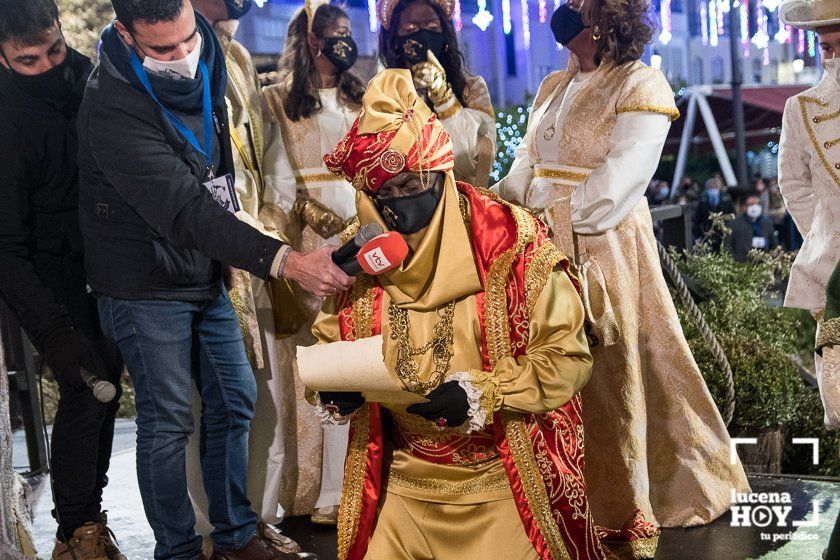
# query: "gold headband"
311, 7
385, 9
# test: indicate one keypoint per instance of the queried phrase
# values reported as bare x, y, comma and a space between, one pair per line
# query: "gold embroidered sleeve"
557, 362
647, 91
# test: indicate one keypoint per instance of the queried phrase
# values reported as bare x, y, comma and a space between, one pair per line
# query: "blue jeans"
168, 345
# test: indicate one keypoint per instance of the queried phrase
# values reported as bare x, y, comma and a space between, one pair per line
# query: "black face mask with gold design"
341, 51
415, 47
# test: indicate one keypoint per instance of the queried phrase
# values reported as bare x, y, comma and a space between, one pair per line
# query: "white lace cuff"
328, 417
482, 394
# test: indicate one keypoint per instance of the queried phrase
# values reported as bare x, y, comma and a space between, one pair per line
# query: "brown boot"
258, 549
87, 542
275, 539
110, 540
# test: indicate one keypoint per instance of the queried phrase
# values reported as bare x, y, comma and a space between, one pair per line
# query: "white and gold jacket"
809, 178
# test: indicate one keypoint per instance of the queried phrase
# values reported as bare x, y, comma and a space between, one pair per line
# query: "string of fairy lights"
714, 24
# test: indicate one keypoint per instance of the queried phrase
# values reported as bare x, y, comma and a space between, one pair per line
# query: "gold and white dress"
296, 173
655, 441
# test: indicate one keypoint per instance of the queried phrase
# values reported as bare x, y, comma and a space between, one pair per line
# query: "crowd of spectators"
756, 211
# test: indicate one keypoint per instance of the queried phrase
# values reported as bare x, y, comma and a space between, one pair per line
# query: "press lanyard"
206, 109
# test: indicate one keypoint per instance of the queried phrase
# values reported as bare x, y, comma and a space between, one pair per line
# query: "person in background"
752, 229
42, 276
252, 140
713, 200
313, 105
776, 210
809, 177
690, 189
154, 140
419, 35
647, 406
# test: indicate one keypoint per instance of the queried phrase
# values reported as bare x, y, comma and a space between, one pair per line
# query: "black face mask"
238, 8
415, 46
409, 214
341, 51
56, 85
566, 24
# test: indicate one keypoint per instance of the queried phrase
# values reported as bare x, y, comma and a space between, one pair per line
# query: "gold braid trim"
813, 136
521, 448
317, 178
437, 486
354, 482
498, 345
829, 333
671, 112
450, 112
538, 271
363, 306
633, 550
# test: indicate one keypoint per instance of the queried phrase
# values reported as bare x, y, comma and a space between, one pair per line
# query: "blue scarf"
178, 95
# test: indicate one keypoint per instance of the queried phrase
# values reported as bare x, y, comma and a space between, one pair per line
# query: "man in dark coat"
42, 274
157, 210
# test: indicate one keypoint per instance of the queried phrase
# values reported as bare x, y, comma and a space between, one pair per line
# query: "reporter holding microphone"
157, 207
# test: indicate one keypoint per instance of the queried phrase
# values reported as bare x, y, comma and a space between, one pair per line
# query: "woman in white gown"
657, 450
315, 103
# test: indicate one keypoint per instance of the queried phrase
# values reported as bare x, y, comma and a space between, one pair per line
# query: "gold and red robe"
537, 456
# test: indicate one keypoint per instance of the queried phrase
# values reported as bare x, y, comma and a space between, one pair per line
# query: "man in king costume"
484, 319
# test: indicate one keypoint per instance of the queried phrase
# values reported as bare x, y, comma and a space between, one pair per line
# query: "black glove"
449, 401
67, 353
347, 402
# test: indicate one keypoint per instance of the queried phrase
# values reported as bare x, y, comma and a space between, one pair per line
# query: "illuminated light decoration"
665, 18
812, 47
456, 16
526, 24
800, 46
543, 11
704, 23
510, 127
766, 60
713, 23
761, 39
720, 19
557, 3
482, 19
744, 10
782, 36
373, 23
260, 3
506, 25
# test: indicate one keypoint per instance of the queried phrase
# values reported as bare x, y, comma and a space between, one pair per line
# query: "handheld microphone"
381, 254
103, 391
346, 253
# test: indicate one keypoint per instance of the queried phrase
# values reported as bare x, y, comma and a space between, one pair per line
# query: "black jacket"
739, 240
41, 272
151, 230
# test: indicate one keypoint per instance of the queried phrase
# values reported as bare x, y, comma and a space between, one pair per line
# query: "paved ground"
718, 541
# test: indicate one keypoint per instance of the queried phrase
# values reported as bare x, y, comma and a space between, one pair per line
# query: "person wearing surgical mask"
593, 142
254, 140
160, 217
751, 230
419, 35
809, 179
313, 104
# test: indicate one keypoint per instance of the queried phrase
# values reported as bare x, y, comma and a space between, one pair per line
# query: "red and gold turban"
395, 132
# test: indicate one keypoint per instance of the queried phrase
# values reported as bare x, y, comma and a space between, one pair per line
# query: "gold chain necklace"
440, 345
